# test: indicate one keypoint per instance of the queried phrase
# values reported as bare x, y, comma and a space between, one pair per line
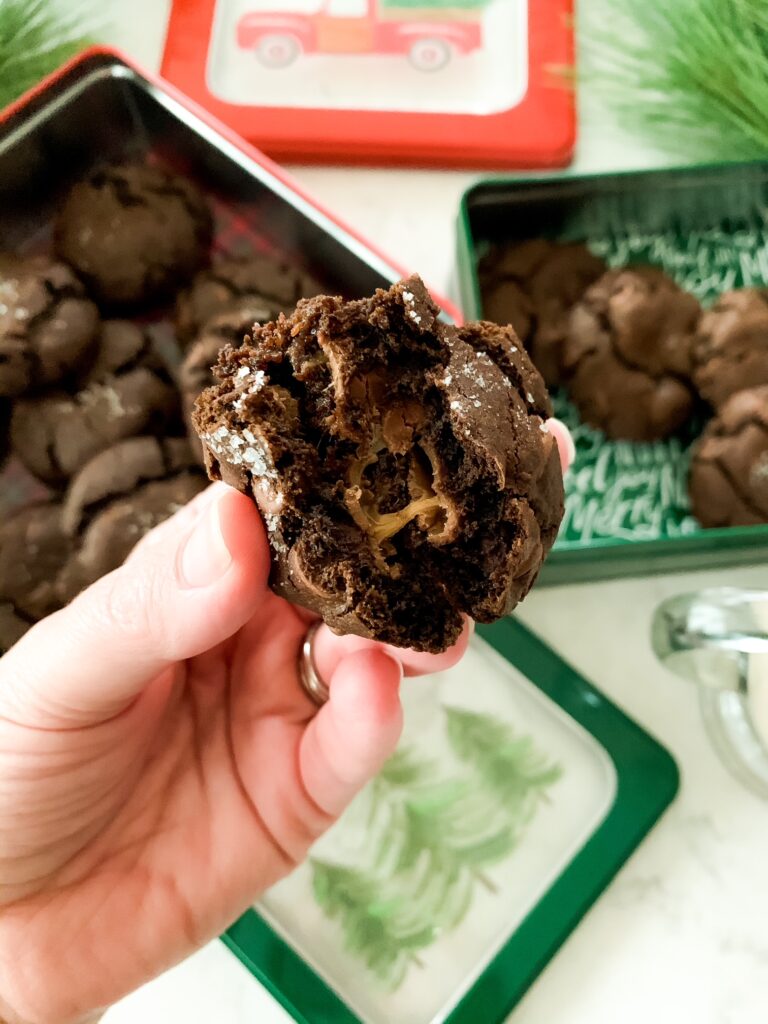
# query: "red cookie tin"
101, 107
428, 82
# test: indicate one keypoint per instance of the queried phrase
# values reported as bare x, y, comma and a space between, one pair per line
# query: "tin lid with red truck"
426, 82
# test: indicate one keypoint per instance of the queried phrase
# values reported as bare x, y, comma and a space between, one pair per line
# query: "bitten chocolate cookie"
47, 325
120, 495
266, 280
135, 233
196, 373
628, 354
403, 467
728, 483
731, 347
533, 285
33, 551
126, 392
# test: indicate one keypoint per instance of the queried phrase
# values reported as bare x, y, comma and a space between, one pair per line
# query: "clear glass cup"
718, 639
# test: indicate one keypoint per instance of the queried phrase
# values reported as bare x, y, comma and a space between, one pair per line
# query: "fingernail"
205, 556
563, 434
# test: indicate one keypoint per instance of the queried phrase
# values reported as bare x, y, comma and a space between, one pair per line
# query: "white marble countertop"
682, 933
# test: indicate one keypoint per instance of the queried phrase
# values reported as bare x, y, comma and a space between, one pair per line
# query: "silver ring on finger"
309, 677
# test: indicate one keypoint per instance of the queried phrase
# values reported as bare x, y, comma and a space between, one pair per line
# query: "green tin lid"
627, 510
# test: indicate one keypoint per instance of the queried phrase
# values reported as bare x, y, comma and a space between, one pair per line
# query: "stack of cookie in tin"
92, 407
640, 359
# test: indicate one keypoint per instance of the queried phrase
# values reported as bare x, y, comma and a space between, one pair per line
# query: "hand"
160, 765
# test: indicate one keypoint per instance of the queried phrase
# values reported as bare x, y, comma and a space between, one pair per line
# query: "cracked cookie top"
126, 392
728, 481
730, 352
262, 279
135, 233
47, 324
532, 285
117, 497
627, 358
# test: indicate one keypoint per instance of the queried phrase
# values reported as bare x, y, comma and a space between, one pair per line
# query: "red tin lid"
430, 82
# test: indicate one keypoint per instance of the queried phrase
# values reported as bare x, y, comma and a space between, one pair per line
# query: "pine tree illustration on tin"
379, 927
444, 826
431, 837
510, 767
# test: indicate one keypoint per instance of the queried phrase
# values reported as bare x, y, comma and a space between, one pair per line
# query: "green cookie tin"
516, 794
627, 510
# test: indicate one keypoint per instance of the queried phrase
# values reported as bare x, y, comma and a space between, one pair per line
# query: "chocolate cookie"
403, 467
5, 421
268, 281
728, 483
196, 373
628, 354
47, 325
135, 233
120, 495
126, 392
731, 347
532, 285
33, 551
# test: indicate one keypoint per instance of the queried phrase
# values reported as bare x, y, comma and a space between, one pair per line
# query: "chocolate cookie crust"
730, 352
403, 467
5, 423
126, 392
135, 233
532, 285
33, 551
47, 325
196, 372
273, 284
628, 354
728, 482
117, 497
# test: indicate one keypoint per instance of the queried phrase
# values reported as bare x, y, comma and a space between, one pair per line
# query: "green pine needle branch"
689, 75
36, 37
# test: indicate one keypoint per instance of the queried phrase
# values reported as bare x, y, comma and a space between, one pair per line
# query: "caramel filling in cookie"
362, 498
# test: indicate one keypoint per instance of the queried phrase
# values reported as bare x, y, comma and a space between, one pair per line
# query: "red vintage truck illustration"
427, 36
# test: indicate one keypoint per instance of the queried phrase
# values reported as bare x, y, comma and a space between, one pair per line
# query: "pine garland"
35, 39
690, 75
